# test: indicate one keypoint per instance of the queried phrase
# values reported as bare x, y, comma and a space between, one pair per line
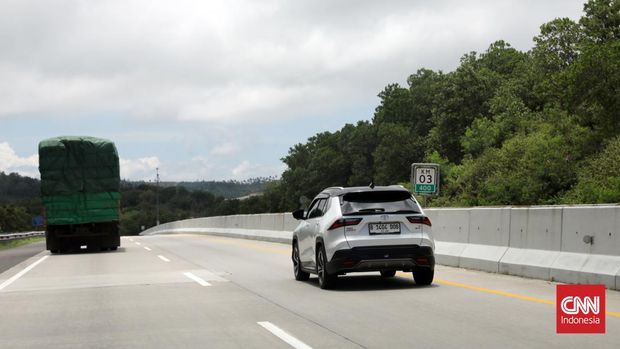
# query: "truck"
80, 190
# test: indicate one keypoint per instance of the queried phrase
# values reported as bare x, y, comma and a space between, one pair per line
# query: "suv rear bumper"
377, 258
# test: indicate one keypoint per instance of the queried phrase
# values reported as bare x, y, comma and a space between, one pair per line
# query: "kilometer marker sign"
425, 178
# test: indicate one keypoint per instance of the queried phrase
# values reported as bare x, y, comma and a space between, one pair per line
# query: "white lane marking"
197, 279
137, 243
163, 258
21, 273
147, 248
278, 332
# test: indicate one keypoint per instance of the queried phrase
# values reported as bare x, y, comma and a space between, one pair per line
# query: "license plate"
384, 228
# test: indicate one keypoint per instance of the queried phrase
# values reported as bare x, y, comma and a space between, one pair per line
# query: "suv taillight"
420, 220
343, 222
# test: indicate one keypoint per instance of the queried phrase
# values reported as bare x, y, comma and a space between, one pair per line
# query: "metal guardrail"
16, 236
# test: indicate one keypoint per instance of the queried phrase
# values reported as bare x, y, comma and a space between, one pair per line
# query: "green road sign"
425, 188
425, 178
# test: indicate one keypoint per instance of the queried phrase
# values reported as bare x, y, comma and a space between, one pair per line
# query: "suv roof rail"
334, 188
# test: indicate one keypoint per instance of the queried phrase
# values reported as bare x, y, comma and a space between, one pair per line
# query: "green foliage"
228, 189
13, 219
8, 244
558, 44
601, 22
599, 180
529, 168
397, 146
592, 88
14, 187
19, 202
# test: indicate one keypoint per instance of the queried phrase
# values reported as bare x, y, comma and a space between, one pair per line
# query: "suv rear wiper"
404, 211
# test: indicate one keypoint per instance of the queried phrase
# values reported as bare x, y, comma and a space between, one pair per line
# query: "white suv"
363, 229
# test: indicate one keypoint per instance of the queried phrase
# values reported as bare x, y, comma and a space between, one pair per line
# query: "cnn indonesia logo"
580, 309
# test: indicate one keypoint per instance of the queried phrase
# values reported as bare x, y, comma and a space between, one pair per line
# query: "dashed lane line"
278, 332
193, 277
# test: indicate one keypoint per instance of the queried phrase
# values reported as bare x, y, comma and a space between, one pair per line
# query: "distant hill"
16, 188
227, 189
20, 200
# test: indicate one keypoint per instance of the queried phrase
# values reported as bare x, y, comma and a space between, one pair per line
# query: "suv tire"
423, 276
388, 273
300, 275
326, 280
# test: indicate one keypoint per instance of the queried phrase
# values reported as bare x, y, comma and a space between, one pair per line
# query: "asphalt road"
184, 291
13, 256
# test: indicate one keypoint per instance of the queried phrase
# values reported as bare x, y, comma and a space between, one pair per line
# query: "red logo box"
580, 309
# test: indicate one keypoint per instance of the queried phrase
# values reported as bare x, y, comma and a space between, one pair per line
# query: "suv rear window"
378, 202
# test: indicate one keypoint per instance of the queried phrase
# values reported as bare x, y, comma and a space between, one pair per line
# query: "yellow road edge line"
501, 293
249, 245
497, 292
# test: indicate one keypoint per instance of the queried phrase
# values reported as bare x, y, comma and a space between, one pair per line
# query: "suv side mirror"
299, 214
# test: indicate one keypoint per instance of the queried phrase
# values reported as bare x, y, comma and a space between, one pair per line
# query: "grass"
5, 245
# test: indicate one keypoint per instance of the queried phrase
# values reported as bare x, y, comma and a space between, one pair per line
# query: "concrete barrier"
534, 242
595, 262
488, 239
573, 244
268, 227
451, 232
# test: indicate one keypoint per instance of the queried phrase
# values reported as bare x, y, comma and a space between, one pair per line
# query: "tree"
13, 219
463, 96
592, 88
395, 105
598, 180
535, 167
601, 21
557, 45
359, 144
397, 149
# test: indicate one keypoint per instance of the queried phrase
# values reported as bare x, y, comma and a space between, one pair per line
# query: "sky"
219, 90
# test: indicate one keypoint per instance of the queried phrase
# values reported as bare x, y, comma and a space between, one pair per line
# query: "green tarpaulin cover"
80, 179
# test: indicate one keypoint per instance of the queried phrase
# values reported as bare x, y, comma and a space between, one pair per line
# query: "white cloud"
238, 61
139, 169
242, 170
11, 162
245, 170
179, 77
225, 149
133, 169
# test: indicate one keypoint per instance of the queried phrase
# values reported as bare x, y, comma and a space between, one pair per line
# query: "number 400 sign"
425, 178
